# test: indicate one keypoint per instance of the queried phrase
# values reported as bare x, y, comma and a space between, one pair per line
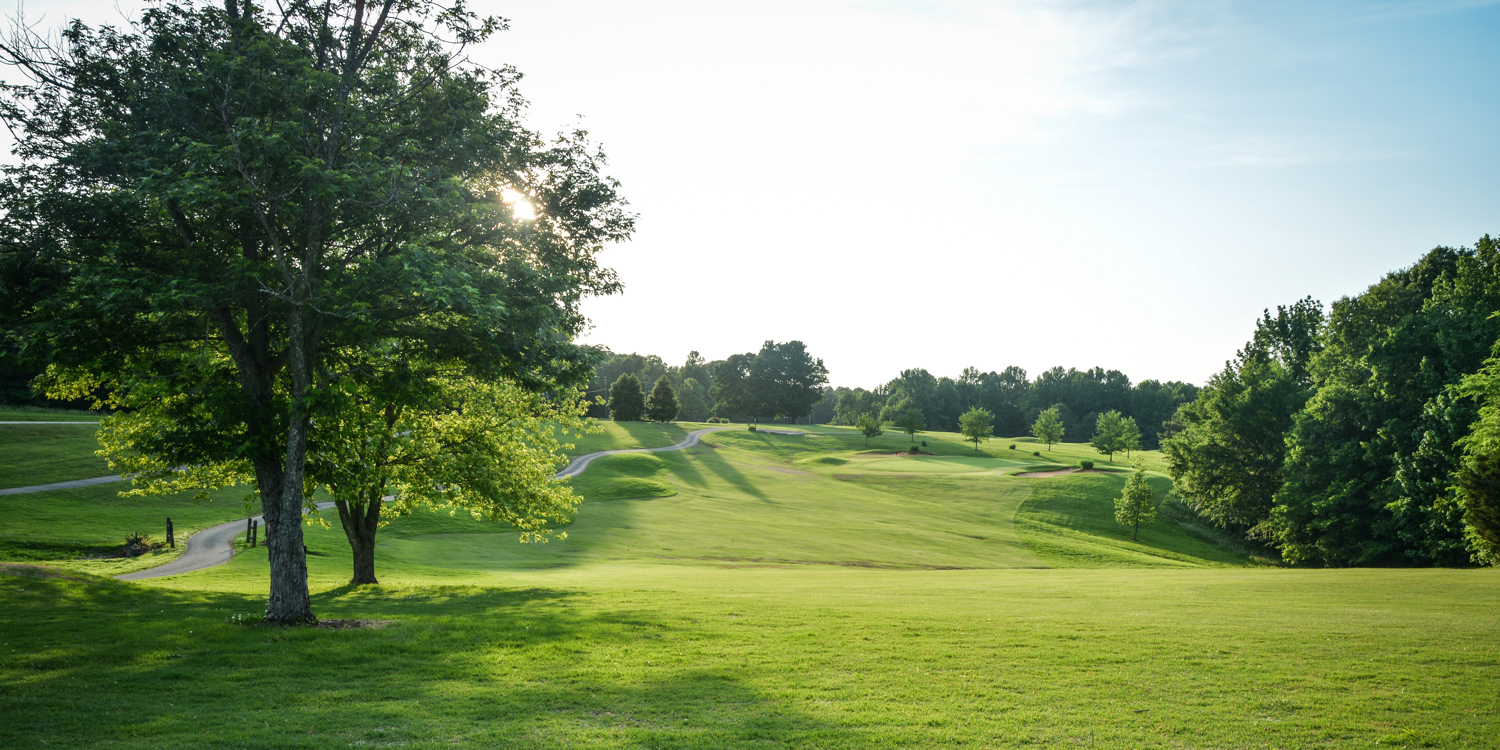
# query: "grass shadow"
95, 662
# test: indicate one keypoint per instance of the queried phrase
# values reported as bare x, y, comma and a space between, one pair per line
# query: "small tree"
869, 426
1048, 427
977, 425
661, 406
627, 403
1131, 437
1137, 505
911, 422
1109, 434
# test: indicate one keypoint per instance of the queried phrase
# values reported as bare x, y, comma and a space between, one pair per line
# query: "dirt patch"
877, 453
1043, 474
1058, 473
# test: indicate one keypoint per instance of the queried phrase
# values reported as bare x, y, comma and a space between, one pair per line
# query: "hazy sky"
933, 184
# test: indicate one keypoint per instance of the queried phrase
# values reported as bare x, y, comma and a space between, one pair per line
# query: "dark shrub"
1085, 464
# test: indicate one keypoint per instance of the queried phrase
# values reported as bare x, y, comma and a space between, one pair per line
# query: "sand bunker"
1058, 473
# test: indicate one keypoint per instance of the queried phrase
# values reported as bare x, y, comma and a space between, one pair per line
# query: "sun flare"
520, 207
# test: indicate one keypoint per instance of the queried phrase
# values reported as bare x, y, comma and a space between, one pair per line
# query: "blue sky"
930, 184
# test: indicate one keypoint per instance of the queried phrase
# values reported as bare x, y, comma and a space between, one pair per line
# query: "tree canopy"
661, 405
869, 426
1136, 505
222, 203
627, 402
911, 422
1339, 438
1109, 434
977, 425
1048, 427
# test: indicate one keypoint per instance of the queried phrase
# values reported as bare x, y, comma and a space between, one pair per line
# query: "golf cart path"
215, 545
578, 464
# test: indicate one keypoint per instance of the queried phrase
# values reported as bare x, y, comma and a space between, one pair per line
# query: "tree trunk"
361, 520
281, 506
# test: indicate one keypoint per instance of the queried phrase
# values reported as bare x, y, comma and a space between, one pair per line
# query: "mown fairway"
757, 591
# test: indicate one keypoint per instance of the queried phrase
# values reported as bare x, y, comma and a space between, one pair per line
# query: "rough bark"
361, 520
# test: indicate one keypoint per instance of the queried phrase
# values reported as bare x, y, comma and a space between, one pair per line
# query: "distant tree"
1048, 427
661, 405
825, 411
1130, 438
868, 426
977, 425
627, 403
1109, 434
911, 422
694, 401
1136, 506
734, 394
785, 380
696, 369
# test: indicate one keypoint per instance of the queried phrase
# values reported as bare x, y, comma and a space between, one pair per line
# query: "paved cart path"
215, 545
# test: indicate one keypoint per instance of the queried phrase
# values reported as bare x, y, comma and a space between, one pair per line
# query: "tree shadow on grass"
104, 662
649, 434
727, 471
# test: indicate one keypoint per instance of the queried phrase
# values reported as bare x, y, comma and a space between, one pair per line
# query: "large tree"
1226, 448
215, 202
787, 380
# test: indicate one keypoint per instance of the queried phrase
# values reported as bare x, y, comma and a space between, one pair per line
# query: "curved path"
577, 465
215, 545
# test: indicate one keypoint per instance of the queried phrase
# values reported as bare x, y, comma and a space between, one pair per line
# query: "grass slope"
756, 591
46, 453
650, 656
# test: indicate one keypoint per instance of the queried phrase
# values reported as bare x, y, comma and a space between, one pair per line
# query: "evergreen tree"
661, 406
1048, 427
626, 401
1136, 506
977, 425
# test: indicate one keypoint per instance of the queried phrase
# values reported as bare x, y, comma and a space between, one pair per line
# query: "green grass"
756, 591
617, 435
46, 453
654, 656
40, 414
61, 526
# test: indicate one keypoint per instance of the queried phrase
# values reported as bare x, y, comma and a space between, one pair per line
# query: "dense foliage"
1340, 439
1079, 396
224, 203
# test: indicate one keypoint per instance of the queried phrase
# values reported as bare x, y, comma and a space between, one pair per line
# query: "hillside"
759, 590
